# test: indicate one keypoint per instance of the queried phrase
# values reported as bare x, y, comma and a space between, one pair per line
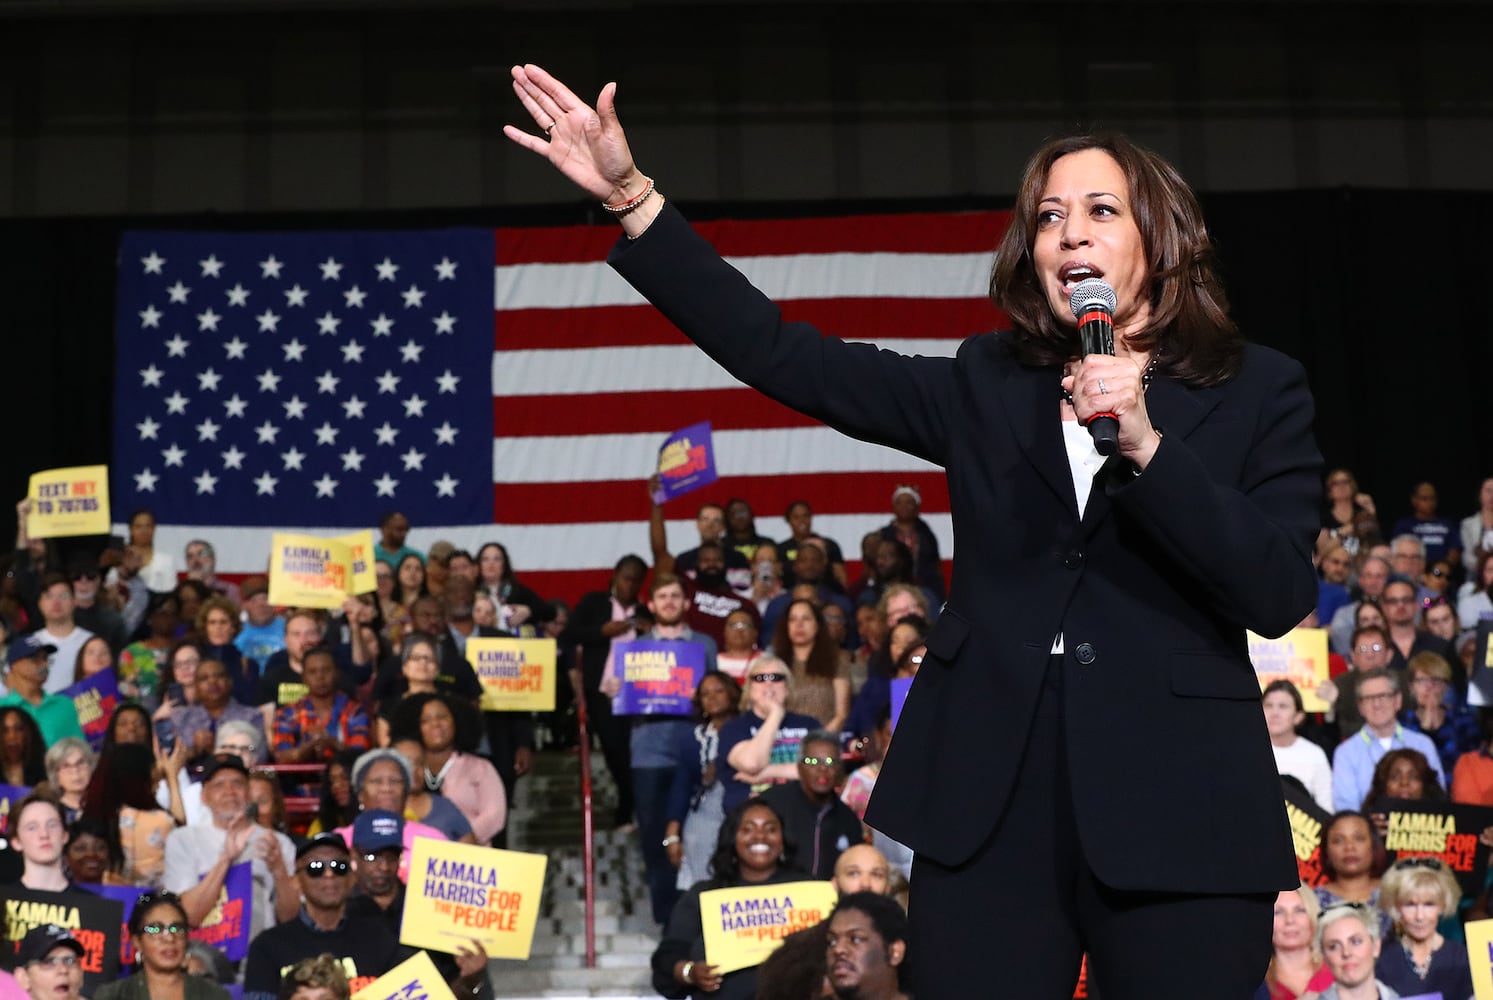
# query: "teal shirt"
383, 555
55, 716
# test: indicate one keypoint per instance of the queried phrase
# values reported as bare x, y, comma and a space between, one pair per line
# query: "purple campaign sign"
900, 687
685, 462
227, 926
658, 678
125, 895
95, 698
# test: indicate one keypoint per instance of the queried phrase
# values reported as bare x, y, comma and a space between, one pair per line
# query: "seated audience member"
70, 764
319, 978
210, 963
1353, 860
86, 857
1400, 774
695, 794
1353, 763
261, 634
1402, 606
866, 944
739, 650
121, 794
1417, 893
326, 720
94, 657
423, 807
179, 683
1440, 619
762, 743
1296, 967
130, 723
453, 673
243, 739
750, 850
338, 804
1302, 759
1334, 571
49, 964
377, 847
1475, 596
814, 818
142, 662
198, 856
26, 680
213, 705
382, 779
448, 734
217, 628
39, 834
1453, 729
158, 928
267, 801
1349, 937
1373, 574
364, 945
1368, 650
192, 594
821, 684
22, 748
1439, 535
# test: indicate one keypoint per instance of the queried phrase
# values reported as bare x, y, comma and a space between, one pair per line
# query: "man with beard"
814, 818
378, 843
711, 598
656, 740
866, 947
710, 521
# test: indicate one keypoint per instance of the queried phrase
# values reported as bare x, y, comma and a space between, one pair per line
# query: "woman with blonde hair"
1296, 967
1417, 893
760, 746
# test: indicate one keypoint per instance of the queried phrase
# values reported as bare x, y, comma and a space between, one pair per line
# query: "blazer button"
1073, 559
1084, 653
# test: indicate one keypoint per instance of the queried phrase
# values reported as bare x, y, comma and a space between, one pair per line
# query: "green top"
55, 716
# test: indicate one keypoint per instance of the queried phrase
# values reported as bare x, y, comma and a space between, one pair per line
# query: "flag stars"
265, 485
206, 482
445, 434
176, 403
234, 406
150, 316
385, 485
326, 434
233, 458
354, 408
446, 382
145, 481
414, 406
384, 434
236, 349
147, 429
445, 270
207, 381
178, 292
207, 430
295, 408
153, 264
293, 458
150, 378
295, 295
413, 460
208, 320
352, 460
326, 486
327, 324
212, 267
352, 352
383, 326
330, 270
354, 297
411, 352
267, 321
444, 323
388, 382
173, 455
176, 347
266, 432
414, 298
294, 350
386, 270
327, 382
269, 381
270, 267
238, 295
446, 486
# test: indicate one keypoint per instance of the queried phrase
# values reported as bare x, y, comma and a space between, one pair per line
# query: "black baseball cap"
39, 942
223, 761
327, 839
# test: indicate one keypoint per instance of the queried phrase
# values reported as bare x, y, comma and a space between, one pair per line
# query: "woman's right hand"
586, 145
704, 977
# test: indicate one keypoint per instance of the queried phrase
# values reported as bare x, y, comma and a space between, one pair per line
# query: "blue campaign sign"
685, 462
658, 678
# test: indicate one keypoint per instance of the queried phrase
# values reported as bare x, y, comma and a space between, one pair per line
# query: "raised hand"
587, 145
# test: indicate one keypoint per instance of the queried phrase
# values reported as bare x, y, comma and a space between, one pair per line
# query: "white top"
192, 850
1084, 463
1307, 762
65, 660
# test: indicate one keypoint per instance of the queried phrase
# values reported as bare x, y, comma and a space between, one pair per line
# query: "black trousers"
1018, 917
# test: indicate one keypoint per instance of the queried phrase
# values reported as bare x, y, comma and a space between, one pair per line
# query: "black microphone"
1093, 303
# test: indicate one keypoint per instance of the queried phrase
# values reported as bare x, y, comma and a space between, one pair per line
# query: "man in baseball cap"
49, 964
27, 666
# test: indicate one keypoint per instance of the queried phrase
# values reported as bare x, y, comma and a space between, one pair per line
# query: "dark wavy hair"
149, 901
122, 778
725, 866
33, 764
733, 688
1431, 790
824, 656
1189, 333
124, 708
404, 724
328, 811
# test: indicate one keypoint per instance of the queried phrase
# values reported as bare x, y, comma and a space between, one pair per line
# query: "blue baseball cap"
27, 647
378, 830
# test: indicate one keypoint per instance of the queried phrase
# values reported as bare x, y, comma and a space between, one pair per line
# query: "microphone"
1093, 303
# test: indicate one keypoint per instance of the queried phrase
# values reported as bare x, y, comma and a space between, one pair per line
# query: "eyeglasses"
819, 761
1397, 600
238, 748
172, 929
1434, 864
1376, 647
1372, 698
323, 869
739, 626
769, 678
64, 961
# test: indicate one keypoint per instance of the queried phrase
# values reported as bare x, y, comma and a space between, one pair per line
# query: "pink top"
473, 786
412, 829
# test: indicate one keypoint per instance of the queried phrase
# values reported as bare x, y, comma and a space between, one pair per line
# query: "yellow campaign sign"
517, 675
457, 892
746, 924
416, 976
307, 571
71, 501
1299, 656
1480, 956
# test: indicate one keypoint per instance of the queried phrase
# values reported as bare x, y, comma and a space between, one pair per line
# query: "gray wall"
139, 108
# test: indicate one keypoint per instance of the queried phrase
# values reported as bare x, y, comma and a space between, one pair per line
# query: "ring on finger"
549, 128
1103, 389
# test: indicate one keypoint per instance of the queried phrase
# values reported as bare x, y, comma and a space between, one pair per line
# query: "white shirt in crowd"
1307, 762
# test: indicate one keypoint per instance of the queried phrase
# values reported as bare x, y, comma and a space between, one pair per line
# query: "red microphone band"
1113, 416
1095, 316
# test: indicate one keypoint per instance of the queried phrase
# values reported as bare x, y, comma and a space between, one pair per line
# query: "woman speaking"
1082, 766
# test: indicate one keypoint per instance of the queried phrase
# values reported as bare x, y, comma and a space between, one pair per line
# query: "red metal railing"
588, 819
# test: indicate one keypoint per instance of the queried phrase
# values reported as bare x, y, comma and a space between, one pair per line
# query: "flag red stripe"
642, 325
627, 500
915, 232
634, 413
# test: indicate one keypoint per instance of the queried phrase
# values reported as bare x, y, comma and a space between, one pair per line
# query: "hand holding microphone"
1108, 392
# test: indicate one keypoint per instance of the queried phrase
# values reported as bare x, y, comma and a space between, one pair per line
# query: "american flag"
502, 385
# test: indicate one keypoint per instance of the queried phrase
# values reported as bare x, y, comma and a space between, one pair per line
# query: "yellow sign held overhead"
71, 501
517, 675
307, 571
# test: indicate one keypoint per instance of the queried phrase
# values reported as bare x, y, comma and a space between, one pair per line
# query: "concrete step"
575, 944
522, 980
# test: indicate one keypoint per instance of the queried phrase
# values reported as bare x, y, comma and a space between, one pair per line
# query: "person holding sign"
49, 964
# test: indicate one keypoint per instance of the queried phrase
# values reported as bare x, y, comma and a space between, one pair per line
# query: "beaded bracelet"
628, 206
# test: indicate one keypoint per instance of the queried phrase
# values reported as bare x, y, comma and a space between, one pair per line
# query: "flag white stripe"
534, 547
784, 278
659, 368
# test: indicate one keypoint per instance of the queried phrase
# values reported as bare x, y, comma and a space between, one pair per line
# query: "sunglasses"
769, 678
324, 869
156, 927
1355, 907
1434, 864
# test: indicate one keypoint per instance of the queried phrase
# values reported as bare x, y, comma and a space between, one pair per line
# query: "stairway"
545, 817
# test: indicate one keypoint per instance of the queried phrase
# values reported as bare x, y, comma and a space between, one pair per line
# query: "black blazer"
1174, 783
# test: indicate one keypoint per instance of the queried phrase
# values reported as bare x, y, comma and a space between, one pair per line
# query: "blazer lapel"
1030, 396
1176, 409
